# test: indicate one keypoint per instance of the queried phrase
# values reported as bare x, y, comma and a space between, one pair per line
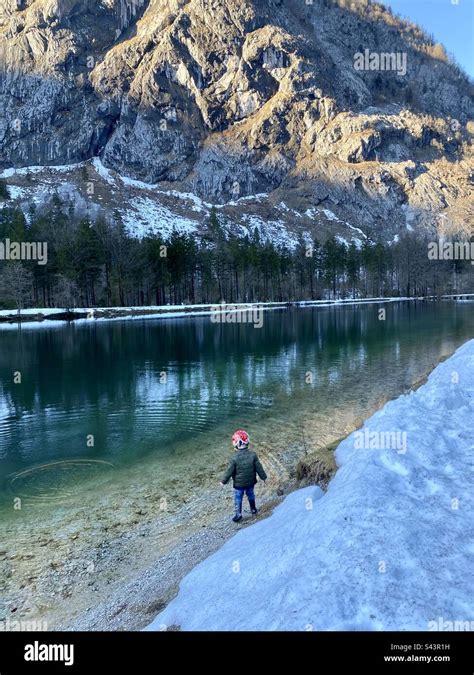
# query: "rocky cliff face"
230, 98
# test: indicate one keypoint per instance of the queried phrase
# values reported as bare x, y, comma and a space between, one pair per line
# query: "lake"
98, 397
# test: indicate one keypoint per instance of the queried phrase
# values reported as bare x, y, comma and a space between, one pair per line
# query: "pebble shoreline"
152, 589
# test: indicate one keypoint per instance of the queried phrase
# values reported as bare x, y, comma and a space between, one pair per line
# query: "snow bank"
47, 316
390, 546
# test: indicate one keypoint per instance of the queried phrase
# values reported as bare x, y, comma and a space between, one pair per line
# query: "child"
243, 469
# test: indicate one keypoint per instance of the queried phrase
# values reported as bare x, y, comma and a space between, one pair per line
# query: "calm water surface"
98, 398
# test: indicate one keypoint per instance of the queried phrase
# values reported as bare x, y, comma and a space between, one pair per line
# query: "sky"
450, 21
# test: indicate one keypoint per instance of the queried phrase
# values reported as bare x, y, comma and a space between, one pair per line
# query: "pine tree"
4, 191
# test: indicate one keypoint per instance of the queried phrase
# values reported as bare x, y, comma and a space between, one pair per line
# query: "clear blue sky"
451, 24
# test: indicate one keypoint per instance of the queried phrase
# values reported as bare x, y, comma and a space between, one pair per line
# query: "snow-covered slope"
91, 190
390, 546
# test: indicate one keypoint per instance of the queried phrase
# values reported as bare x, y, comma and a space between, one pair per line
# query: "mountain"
258, 106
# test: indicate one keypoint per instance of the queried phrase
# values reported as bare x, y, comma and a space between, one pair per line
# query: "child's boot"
253, 508
237, 517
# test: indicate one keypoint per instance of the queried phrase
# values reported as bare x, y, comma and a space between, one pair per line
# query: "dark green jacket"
243, 469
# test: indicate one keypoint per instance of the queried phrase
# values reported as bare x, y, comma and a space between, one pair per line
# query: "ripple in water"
58, 482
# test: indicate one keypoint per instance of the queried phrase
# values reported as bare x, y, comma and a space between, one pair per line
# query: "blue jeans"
239, 495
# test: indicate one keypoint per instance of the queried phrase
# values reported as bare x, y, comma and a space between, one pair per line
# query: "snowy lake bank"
390, 546
235, 312
105, 535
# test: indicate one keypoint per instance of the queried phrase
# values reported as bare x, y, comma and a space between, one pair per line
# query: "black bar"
141, 653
